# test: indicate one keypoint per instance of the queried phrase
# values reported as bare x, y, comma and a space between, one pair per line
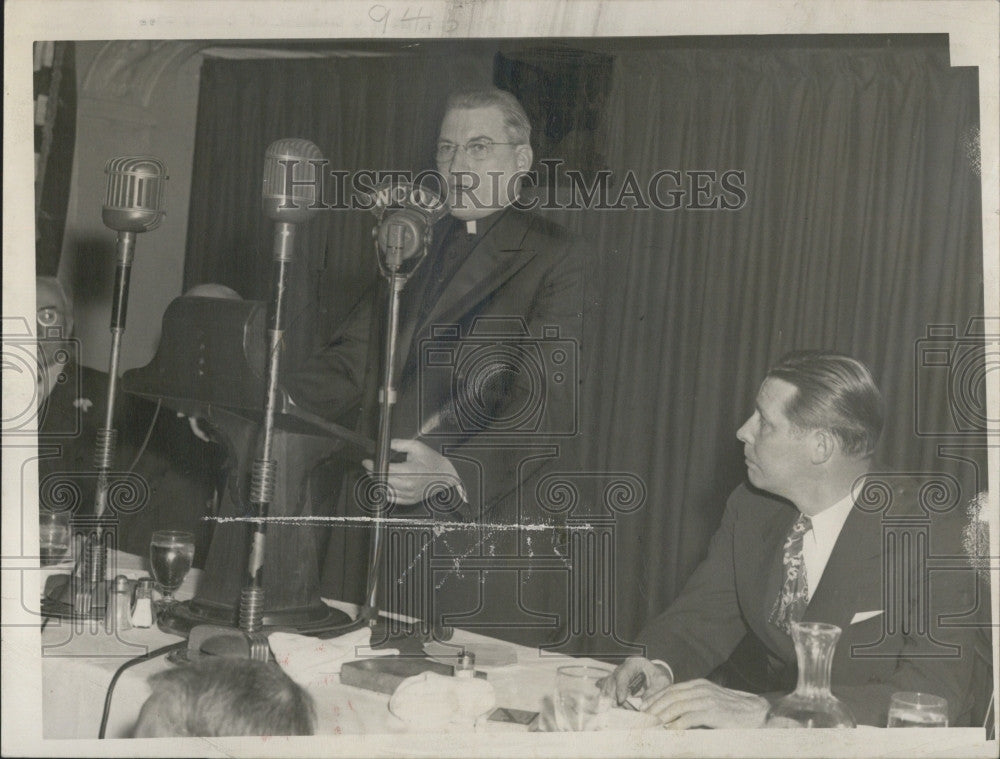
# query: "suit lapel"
855, 555
764, 579
498, 255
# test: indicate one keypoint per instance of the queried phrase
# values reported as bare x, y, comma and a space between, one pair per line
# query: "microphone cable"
118, 673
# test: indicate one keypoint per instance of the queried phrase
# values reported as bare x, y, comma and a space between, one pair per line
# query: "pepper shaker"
119, 607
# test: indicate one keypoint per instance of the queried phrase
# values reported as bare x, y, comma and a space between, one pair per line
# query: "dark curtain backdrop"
861, 228
364, 113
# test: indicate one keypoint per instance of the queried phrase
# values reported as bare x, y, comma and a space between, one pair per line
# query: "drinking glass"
53, 536
917, 710
170, 555
579, 700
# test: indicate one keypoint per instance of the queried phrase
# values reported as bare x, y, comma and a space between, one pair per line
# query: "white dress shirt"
817, 543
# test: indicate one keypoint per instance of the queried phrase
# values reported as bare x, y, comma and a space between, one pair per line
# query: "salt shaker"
142, 608
465, 666
119, 607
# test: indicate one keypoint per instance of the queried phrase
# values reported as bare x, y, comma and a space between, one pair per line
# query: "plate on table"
432, 702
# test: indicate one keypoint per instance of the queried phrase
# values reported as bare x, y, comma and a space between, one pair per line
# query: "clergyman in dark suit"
488, 340
806, 541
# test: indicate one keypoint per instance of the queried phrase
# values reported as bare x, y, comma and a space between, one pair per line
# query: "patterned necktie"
791, 602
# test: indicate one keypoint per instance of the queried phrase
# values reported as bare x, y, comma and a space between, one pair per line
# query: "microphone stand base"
180, 618
216, 641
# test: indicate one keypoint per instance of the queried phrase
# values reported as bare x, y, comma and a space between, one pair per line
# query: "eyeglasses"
477, 150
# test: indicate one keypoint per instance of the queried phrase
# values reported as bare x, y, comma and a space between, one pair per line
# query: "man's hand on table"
620, 683
415, 479
700, 703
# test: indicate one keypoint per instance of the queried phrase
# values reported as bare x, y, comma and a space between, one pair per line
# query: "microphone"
406, 212
291, 194
134, 198
291, 190
132, 205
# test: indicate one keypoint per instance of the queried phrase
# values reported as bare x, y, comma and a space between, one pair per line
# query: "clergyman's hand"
622, 681
700, 703
424, 472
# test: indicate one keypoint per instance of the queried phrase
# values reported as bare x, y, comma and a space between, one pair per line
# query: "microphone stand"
89, 585
249, 641
132, 205
262, 476
386, 398
397, 235
287, 208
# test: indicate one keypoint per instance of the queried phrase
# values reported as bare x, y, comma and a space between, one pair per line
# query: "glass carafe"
812, 704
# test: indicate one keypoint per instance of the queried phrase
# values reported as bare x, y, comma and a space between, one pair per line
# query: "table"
79, 660
77, 668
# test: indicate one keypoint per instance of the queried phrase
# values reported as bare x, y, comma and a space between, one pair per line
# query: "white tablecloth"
79, 660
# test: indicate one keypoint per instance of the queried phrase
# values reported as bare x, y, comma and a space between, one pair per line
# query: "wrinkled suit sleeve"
703, 625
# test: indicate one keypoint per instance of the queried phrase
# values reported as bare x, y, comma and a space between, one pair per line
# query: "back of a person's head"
225, 697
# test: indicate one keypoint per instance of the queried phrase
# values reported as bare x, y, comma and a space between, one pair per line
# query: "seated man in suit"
806, 541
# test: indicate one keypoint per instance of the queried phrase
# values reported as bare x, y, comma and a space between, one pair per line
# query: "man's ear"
524, 157
822, 444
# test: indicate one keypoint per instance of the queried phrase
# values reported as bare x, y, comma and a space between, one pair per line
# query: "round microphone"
402, 234
135, 193
292, 182
406, 213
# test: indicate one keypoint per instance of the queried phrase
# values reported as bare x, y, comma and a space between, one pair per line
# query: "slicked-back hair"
221, 697
515, 119
835, 392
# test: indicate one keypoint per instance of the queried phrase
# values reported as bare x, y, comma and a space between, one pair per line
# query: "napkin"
430, 701
310, 661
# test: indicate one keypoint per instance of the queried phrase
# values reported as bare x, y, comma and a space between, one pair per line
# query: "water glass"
579, 700
171, 553
917, 710
53, 536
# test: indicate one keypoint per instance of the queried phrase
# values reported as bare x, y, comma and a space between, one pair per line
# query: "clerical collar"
479, 227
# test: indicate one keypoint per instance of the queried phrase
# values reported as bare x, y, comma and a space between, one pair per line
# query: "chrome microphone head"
292, 159
134, 200
406, 212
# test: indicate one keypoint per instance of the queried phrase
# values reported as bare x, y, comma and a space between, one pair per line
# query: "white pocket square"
861, 616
